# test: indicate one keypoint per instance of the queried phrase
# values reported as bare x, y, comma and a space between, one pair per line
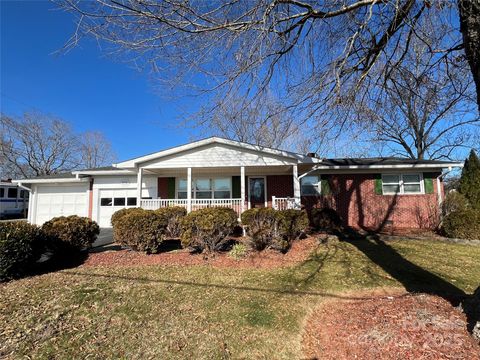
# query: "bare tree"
315, 53
95, 150
37, 144
426, 109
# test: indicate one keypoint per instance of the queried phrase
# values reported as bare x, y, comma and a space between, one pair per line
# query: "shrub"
325, 219
261, 226
20, 246
173, 217
238, 251
140, 230
72, 233
274, 229
116, 220
292, 223
454, 201
207, 229
463, 224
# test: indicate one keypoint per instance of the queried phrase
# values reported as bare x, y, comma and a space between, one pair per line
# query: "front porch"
239, 188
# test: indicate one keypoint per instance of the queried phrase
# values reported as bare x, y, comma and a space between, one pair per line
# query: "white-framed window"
402, 184
206, 188
310, 185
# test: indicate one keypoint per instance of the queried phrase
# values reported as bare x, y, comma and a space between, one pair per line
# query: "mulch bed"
395, 327
266, 259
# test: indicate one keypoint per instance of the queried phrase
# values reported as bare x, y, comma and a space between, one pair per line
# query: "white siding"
217, 155
149, 188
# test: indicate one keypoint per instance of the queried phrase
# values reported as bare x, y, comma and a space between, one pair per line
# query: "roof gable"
234, 152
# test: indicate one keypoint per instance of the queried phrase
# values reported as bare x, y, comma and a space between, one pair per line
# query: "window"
310, 185
119, 201
222, 188
206, 188
12, 193
402, 184
2, 192
203, 189
106, 202
132, 201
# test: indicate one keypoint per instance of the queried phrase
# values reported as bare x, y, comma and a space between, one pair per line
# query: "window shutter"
428, 182
171, 188
325, 184
378, 184
236, 191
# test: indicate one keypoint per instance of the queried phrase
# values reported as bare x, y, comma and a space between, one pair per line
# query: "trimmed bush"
274, 229
116, 221
261, 226
207, 229
20, 246
463, 224
292, 223
140, 230
325, 219
73, 233
173, 217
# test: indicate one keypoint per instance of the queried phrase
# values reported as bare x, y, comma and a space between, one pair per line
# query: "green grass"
178, 312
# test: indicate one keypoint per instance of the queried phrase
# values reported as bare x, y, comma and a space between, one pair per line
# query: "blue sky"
89, 90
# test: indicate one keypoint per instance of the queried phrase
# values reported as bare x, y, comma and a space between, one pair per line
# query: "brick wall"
162, 187
354, 198
280, 186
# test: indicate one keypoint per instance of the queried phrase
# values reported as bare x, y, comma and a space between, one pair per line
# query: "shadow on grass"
222, 286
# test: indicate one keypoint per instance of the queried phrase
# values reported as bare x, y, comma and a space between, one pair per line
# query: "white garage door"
53, 201
112, 200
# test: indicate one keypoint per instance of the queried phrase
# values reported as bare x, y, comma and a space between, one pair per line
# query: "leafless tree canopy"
315, 54
95, 150
37, 144
426, 108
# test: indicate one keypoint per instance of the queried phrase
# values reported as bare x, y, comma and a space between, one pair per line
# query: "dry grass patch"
173, 311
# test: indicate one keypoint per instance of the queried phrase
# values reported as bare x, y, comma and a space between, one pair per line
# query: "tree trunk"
469, 11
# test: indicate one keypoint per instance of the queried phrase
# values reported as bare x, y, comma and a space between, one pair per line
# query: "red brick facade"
354, 198
280, 186
162, 189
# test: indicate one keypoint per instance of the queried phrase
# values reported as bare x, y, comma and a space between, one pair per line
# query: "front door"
257, 192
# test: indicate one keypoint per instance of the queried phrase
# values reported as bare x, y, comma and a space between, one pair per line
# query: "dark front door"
257, 192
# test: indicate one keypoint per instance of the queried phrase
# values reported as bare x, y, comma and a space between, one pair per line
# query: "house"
367, 193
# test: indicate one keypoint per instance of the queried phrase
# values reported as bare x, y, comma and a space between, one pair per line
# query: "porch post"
189, 189
139, 186
296, 188
242, 188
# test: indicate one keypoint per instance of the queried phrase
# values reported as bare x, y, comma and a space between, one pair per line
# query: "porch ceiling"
229, 171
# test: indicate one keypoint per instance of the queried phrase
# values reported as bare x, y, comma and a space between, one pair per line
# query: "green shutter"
236, 191
378, 184
428, 182
171, 187
325, 186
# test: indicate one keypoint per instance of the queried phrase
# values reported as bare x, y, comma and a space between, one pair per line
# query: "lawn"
206, 312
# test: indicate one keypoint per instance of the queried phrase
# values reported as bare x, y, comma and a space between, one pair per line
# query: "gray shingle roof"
380, 161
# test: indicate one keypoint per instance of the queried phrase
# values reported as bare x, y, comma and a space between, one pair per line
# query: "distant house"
367, 193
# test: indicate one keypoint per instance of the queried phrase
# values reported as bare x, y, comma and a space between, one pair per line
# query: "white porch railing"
283, 203
153, 204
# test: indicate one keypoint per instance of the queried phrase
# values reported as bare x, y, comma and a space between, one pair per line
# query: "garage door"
53, 201
112, 200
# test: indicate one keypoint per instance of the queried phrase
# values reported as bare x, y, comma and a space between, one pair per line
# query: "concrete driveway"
105, 237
